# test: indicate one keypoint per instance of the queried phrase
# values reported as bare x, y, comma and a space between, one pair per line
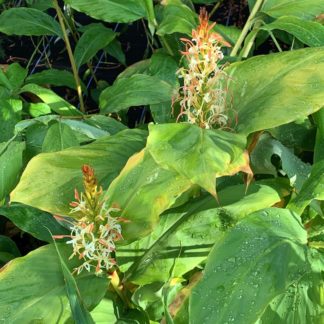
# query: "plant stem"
70, 53
217, 5
247, 27
166, 45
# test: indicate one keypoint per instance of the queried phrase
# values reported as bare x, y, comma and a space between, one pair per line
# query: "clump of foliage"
208, 210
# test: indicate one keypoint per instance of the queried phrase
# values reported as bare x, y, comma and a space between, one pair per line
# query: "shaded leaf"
111, 10
96, 37
59, 137
313, 188
55, 102
33, 221
32, 288
249, 265
306, 9
137, 90
11, 161
309, 32
29, 22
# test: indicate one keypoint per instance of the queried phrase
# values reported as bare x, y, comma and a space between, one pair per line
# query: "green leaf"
137, 90
177, 18
104, 313
8, 250
29, 22
49, 179
298, 302
185, 235
55, 102
11, 161
305, 9
33, 221
54, 77
38, 109
10, 114
164, 67
198, 154
40, 4
16, 75
319, 149
84, 131
249, 265
313, 188
105, 123
92, 40
79, 311
140, 192
59, 137
275, 89
261, 161
115, 50
111, 10
308, 32
32, 288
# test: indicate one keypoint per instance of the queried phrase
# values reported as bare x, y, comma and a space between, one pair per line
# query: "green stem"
217, 5
166, 45
247, 27
70, 53
275, 41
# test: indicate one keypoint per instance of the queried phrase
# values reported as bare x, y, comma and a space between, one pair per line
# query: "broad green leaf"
198, 154
165, 67
16, 75
83, 131
105, 123
8, 250
115, 50
299, 135
137, 90
185, 235
177, 19
319, 148
275, 89
11, 161
122, 11
306, 9
141, 67
92, 40
308, 32
33, 221
248, 266
80, 314
38, 109
261, 161
39, 4
298, 303
32, 288
29, 22
140, 191
58, 78
49, 179
59, 137
313, 188
55, 102
10, 114
104, 313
